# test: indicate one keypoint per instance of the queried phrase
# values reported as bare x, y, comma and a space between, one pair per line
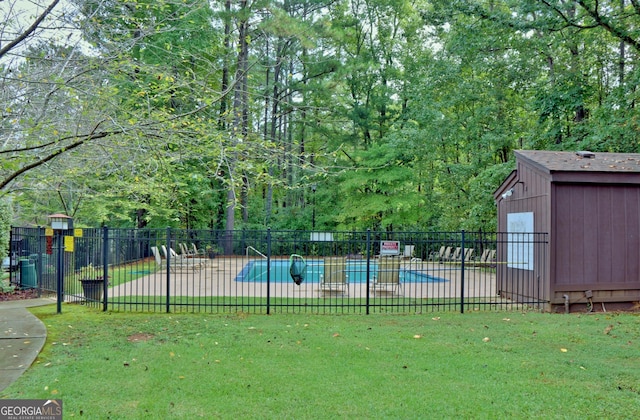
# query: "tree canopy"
301, 114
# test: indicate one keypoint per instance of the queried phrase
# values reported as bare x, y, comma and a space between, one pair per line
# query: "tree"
223, 114
145, 113
32, 133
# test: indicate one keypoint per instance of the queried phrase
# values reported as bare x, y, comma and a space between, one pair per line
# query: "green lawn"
476, 365
117, 274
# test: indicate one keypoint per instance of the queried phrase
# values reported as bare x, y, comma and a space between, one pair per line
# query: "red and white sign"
389, 248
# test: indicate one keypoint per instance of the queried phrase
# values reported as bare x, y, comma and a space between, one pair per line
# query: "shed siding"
531, 190
590, 208
531, 194
596, 232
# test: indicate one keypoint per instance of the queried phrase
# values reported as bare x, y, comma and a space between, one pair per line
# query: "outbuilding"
587, 206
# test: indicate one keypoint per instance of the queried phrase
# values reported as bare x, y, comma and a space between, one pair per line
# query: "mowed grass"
474, 365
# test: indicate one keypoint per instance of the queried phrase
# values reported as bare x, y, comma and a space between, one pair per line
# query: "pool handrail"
256, 251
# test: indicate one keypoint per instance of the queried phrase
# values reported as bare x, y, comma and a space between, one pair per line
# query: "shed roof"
550, 161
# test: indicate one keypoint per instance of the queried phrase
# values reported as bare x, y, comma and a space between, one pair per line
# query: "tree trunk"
240, 121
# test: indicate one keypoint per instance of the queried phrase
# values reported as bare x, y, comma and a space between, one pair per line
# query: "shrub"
5, 226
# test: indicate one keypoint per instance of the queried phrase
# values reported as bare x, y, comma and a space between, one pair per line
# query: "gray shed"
589, 205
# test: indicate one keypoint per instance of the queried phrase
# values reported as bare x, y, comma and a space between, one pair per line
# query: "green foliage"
482, 213
6, 219
89, 272
380, 192
403, 114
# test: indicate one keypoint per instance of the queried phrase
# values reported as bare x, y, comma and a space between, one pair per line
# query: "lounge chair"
193, 257
156, 255
491, 259
483, 258
186, 252
387, 279
408, 252
487, 259
197, 251
459, 256
447, 254
438, 255
335, 279
191, 252
182, 262
456, 255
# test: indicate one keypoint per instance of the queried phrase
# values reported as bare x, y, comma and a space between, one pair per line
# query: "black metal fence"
173, 270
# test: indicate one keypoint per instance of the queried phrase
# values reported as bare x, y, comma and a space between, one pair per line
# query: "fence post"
368, 270
39, 263
59, 272
462, 257
11, 259
168, 246
268, 271
105, 267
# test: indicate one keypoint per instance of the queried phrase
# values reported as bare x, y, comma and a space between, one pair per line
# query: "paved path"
22, 336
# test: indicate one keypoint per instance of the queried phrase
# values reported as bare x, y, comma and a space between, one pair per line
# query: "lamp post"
60, 223
313, 211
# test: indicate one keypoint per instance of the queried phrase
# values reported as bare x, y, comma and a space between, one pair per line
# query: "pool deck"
217, 278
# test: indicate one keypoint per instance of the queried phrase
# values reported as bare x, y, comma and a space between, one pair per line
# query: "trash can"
28, 274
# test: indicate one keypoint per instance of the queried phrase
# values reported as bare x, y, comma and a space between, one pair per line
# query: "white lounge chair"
387, 279
408, 251
438, 255
180, 262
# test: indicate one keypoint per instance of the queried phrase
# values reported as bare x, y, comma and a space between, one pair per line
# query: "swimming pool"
256, 271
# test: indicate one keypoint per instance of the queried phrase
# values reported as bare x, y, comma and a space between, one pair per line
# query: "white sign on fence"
520, 240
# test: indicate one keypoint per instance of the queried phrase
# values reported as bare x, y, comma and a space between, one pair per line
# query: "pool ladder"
256, 251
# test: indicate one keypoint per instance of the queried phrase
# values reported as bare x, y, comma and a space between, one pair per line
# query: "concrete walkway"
22, 336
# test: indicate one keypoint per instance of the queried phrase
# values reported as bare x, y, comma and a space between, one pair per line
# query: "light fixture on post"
59, 224
60, 221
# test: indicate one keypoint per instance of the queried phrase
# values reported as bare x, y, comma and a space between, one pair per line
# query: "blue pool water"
256, 271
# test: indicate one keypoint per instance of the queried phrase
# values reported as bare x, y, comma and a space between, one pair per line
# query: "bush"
5, 226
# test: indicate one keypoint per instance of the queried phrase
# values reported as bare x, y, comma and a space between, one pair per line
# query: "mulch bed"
19, 295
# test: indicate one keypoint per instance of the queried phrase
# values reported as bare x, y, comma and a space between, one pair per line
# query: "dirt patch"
134, 338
